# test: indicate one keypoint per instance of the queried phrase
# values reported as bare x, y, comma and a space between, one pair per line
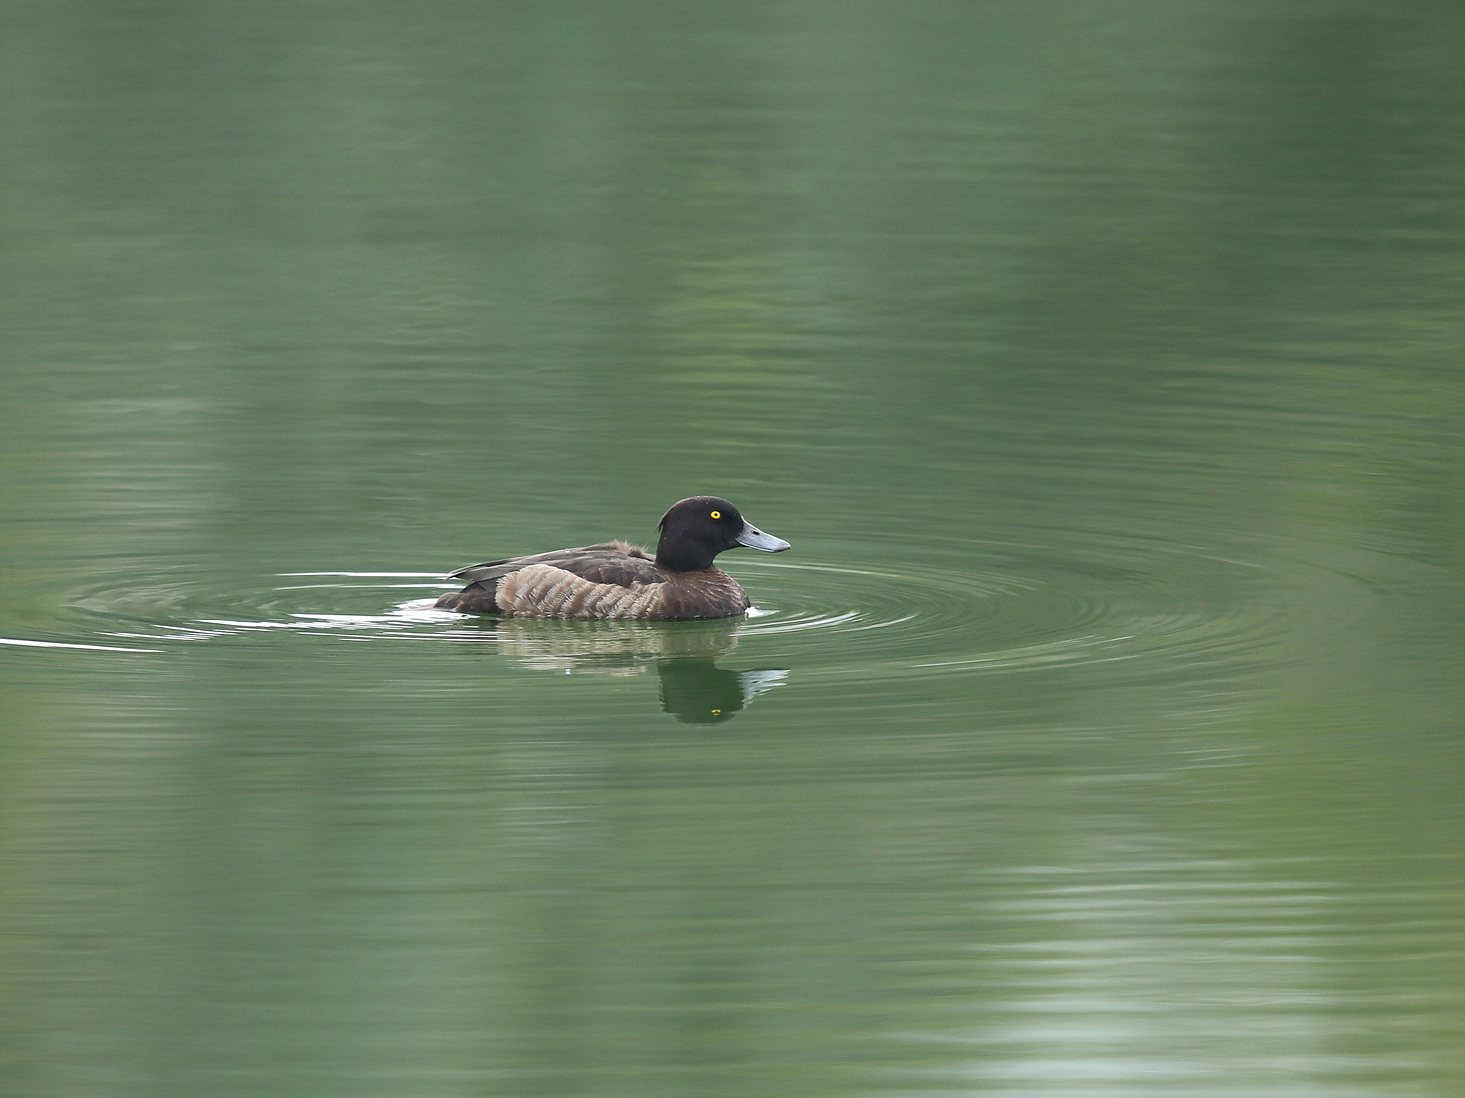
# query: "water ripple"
941, 621
1009, 608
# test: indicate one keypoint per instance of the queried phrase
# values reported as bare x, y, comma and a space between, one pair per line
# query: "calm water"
1101, 734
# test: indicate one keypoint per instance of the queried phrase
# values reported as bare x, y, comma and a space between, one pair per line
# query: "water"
1100, 734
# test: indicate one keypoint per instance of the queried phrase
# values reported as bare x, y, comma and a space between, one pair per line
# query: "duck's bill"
755, 538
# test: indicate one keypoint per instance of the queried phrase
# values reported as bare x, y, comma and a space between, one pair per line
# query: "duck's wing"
611, 562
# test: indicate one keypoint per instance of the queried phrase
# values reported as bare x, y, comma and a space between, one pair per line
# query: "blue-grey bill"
755, 538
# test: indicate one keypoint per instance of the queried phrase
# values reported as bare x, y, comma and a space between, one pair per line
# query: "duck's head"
695, 530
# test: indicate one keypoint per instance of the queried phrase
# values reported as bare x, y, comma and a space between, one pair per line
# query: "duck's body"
617, 580
612, 580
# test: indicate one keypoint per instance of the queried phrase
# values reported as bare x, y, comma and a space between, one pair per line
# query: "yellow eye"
717, 514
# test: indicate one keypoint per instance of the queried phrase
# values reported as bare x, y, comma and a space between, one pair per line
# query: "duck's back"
608, 562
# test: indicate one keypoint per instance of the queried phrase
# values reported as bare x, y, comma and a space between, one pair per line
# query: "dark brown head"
695, 530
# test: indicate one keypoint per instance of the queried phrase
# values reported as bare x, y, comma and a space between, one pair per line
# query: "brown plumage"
617, 580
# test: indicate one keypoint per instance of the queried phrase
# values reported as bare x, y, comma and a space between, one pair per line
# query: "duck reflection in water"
700, 692
694, 689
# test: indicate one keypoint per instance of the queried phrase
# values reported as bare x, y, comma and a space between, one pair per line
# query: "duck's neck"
684, 558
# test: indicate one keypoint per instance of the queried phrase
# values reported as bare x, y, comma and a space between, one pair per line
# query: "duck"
617, 580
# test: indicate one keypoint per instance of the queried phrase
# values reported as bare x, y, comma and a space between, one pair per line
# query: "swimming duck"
617, 580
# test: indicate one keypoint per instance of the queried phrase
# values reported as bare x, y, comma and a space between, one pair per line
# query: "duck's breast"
708, 594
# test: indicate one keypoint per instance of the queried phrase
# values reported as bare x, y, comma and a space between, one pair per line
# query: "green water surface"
1102, 734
